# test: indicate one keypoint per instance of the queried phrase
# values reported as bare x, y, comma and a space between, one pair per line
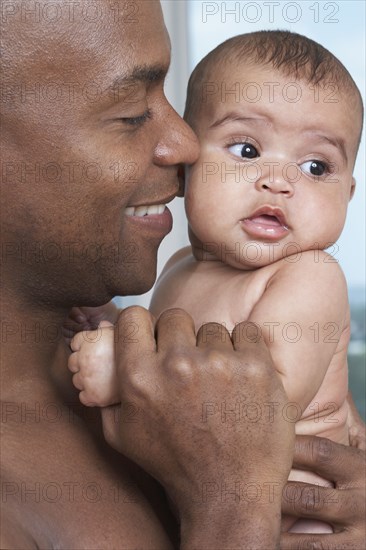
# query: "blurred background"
195, 28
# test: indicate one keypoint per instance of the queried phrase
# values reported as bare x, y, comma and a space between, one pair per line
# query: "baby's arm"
93, 366
302, 315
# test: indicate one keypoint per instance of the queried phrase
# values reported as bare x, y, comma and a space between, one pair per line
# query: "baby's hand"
93, 366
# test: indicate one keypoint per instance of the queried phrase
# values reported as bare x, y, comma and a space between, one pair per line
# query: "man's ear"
352, 190
181, 178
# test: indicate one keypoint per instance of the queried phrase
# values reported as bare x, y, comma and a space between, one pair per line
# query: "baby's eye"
314, 167
244, 150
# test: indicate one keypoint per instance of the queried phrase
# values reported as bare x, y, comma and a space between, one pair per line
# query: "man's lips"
267, 222
148, 208
151, 218
145, 210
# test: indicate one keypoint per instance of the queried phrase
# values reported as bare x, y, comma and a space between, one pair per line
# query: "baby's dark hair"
294, 55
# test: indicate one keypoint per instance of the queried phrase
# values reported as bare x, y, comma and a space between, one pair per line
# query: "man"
87, 135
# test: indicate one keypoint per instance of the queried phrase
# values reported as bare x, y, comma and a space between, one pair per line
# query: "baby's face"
275, 172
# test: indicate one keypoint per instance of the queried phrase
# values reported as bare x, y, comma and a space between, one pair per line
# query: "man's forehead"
104, 33
44, 12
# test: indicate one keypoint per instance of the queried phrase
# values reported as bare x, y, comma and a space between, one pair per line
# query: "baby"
279, 121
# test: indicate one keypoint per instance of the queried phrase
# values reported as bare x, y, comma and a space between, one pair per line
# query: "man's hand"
343, 506
204, 417
356, 426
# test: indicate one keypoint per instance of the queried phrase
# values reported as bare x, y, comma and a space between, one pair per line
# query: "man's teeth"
145, 210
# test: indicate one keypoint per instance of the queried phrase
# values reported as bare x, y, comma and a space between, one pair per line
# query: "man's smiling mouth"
147, 210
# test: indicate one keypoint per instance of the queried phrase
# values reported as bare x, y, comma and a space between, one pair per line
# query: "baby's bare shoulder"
313, 280
311, 266
177, 259
172, 282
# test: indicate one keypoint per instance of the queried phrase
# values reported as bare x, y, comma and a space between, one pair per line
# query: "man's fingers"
175, 330
214, 334
328, 459
311, 501
297, 541
112, 426
248, 336
134, 331
356, 426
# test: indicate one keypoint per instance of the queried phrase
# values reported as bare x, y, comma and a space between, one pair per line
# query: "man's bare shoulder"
12, 536
64, 488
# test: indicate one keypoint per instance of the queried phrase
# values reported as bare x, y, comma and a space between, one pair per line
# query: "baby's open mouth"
266, 219
266, 222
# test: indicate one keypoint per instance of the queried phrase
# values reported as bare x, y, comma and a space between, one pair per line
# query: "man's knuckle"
322, 449
354, 504
255, 369
213, 329
173, 315
181, 365
216, 358
137, 381
130, 315
310, 500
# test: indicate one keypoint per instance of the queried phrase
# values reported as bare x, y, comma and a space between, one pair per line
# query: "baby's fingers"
76, 342
73, 362
85, 337
78, 382
105, 324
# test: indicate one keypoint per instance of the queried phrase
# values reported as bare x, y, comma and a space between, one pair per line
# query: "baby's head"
279, 120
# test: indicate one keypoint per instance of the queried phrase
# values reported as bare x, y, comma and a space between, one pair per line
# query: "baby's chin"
254, 254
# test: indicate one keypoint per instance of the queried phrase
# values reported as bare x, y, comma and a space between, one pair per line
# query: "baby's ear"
352, 190
181, 178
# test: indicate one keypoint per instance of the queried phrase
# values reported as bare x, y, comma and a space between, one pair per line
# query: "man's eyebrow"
144, 74
237, 117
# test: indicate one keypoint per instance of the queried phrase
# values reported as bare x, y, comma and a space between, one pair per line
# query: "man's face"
89, 137
275, 172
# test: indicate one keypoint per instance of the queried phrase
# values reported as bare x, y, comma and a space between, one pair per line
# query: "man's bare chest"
62, 489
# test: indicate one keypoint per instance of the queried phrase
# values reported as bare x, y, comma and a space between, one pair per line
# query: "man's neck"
34, 352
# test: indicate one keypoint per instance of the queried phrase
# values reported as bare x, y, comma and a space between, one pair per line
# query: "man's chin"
139, 285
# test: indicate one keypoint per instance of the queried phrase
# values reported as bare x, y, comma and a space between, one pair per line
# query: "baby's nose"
276, 179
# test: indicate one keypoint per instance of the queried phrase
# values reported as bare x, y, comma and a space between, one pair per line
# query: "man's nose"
178, 144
